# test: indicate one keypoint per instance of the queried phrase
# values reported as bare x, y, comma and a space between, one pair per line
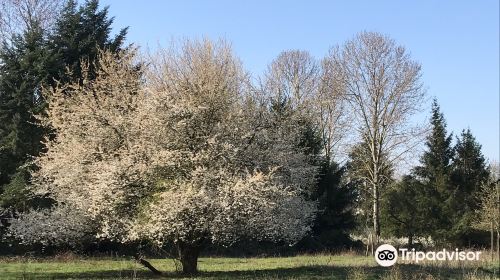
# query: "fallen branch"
148, 265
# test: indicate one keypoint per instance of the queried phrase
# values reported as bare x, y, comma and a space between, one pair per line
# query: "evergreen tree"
436, 161
335, 195
79, 35
470, 169
403, 210
24, 67
336, 199
469, 173
30, 61
435, 175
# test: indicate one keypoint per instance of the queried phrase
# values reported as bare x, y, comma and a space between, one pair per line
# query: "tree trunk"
498, 247
368, 246
498, 222
188, 256
492, 235
410, 241
372, 242
376, 225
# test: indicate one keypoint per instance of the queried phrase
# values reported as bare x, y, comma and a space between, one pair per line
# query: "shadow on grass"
303, 272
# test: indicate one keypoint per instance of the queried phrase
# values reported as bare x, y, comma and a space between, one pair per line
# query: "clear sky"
457, 42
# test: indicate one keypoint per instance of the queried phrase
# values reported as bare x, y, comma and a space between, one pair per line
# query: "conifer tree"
436, 161
79, 34
24, 68
469, 173
434, 173
36, 59
403, 208
336, 200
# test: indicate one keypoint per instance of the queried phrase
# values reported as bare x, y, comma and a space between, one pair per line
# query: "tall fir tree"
336, 205
33, 60
79, 35
470, 169
403, 210
436, 161
435, 175
334, 194
25, 66
469, 173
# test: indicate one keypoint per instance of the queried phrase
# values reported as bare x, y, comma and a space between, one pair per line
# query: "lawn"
299, 267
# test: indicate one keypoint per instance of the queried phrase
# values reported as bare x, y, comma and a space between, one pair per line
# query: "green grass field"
300, 267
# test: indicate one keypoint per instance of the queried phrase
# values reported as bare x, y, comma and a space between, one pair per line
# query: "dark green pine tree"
24, 68
33, 60
403, 210
336, 217
470, 172
436, 161
79, 35
335, 196
435, 175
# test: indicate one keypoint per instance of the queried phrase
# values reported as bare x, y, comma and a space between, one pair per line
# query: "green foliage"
15, 194
24, 67
435, 176
404, 209
450, 180
470, 170
489, 211
358, 172
35, 59
436, 161
336, 199
79, 34
469, 173
29, 62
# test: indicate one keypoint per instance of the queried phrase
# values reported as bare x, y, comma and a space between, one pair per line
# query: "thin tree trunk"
372, 242
376, 225
498, 247
367, 247
188, 256
410, 241
492, 235
498, 222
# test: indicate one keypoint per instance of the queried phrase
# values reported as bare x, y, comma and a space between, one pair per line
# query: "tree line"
182, 148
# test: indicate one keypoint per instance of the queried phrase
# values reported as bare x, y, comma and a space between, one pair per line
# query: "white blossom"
179, 151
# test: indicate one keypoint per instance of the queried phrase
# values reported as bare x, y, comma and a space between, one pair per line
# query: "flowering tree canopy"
179, 151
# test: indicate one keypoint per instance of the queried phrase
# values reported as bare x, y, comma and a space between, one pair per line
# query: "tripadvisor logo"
387, 255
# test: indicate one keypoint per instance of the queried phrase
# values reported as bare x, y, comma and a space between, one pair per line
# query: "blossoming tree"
179, 152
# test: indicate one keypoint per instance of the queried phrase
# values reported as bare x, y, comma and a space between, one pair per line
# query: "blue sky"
457, 42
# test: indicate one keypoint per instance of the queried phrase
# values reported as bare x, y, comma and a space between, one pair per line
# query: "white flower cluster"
59, 226
180, 151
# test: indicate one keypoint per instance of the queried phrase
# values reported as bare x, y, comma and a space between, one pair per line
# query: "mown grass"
300, 267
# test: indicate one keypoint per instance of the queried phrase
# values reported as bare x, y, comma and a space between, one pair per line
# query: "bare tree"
383, 87
330, 108
17, 16
293, 76
313, 93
